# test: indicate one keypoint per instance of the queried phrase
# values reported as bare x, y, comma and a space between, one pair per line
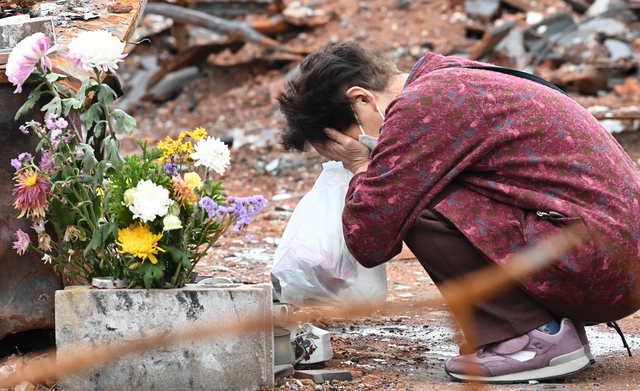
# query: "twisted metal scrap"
461, 296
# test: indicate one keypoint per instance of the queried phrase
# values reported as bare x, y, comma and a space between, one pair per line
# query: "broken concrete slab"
491, 38
522, 5
172, 84
88, 319
319, 376
606, 26
11, 34
281, 371
578, 6
598, 7
618, 49
513, 46
481, 9
540, 34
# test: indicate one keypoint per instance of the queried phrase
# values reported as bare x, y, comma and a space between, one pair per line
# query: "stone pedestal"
229, 362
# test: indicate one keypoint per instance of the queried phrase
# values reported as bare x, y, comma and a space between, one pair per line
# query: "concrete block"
12, 33
320, 376
284, 370
229, 362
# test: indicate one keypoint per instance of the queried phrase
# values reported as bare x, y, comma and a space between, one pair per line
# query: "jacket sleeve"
433, 131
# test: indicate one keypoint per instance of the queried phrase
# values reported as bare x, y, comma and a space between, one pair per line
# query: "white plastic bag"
312, 265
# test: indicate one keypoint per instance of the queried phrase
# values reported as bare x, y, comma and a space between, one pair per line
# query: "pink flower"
31, 194
26, 55
48, 163
22, 244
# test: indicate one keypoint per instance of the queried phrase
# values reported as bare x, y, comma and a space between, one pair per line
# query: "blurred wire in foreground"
461, 296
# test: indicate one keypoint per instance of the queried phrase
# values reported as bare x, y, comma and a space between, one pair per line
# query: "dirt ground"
235, 96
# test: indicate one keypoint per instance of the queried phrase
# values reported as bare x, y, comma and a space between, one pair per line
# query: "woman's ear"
356, 94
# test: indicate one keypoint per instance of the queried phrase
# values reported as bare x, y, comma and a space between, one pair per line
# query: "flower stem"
105, 108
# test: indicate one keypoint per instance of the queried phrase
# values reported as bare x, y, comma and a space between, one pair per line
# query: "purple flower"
26, 55
212, 207
25, 157
15, 163
61, 123
171, 170
55, 133
249, 237
78, 152
24, 128
22, 244
246, 208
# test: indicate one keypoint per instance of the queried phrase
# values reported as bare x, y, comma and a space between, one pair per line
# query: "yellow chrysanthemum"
183, 189
170, 146
199, 133
139, 241
187, 147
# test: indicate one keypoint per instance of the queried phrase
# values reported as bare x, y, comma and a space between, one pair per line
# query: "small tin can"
108, 283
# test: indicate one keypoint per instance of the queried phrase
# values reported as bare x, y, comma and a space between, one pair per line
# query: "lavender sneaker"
533, 356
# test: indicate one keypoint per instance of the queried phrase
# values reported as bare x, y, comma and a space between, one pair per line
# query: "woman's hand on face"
354, 156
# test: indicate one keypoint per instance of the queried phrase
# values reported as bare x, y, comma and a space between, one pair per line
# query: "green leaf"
97, 210
124, 121
31, 101
64, 215
53, 77
98, 237
107, 95
89, 161
113, 152
101, 168
179, 257
81, 95
92, 115
151, 273
70, 103
53, 107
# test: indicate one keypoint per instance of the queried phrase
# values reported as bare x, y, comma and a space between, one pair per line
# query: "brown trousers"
445, 253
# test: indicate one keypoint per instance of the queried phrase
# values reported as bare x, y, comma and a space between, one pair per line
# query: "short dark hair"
317, 98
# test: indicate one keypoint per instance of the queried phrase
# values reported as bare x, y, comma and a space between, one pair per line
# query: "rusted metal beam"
27, 285
234, 30
121, 25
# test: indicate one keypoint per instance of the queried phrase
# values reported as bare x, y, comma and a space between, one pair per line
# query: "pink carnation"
26, 55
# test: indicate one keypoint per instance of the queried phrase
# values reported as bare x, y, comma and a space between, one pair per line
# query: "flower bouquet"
149, 218
168, 210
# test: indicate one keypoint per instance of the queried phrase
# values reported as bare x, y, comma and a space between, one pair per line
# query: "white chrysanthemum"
212, 153
96, 49
150, 201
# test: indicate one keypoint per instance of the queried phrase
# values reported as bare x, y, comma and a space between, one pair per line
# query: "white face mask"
368, 141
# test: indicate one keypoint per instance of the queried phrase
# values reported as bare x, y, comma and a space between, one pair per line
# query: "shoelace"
615, 326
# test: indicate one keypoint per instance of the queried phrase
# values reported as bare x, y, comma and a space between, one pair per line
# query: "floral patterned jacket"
516, 147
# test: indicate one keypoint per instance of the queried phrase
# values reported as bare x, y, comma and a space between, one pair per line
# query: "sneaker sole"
561, 366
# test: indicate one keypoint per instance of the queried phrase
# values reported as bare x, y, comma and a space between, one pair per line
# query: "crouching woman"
468, 167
